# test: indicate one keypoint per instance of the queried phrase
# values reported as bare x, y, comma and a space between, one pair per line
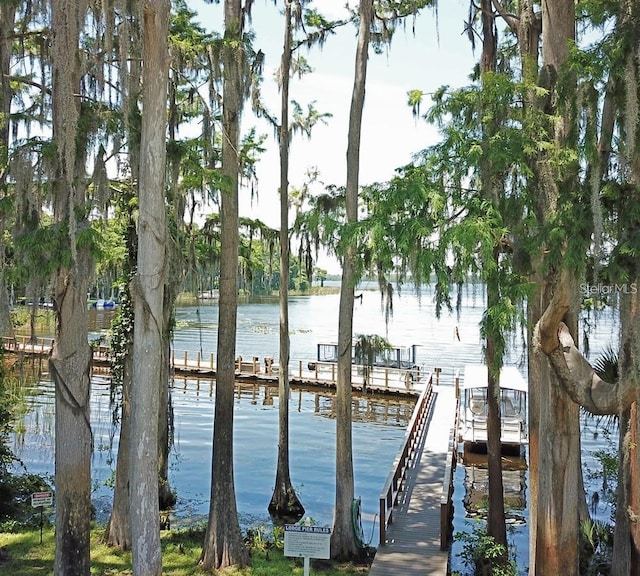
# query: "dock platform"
313, 374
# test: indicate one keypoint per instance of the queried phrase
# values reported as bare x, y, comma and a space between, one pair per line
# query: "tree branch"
582, 383
510, 19
547, 327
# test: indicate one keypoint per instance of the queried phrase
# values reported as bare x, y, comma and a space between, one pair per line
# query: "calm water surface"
378, 432
449, 343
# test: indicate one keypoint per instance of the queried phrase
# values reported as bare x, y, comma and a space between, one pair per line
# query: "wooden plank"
412, 544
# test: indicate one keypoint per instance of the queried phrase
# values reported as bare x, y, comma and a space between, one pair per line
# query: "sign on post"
40, 500
304, 541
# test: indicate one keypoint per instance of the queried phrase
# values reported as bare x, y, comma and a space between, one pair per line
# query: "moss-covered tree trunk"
70, 360
7, 20
491, 186
558, 502
118, 532
148, 293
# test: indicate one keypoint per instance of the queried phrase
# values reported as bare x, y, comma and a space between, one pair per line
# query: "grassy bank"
22, 554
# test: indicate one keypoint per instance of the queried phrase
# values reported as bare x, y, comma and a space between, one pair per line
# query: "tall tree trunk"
70, 361
559, 440
496, 525
494, 349
166, 496
7, 21
621, 560
627, 535
343, 540
284, 501
223, 545
118, 532
528, 28
148, 293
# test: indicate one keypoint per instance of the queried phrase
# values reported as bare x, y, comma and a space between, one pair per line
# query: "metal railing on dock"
397, 476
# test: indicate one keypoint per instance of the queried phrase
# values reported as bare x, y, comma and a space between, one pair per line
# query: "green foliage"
121, 339
15, 489
607, 474
16, 512
367, 347
596, 548
483, 556
7, 417
606, 366
262, 539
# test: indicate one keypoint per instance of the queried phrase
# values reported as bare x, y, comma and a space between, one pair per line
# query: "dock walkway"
412, 546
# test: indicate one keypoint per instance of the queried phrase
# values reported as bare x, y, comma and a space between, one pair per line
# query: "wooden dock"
414, 540
415, 503
378, 380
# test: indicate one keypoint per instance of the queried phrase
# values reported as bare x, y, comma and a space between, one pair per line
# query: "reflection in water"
449, 342
476, 485
367, 408
378, 430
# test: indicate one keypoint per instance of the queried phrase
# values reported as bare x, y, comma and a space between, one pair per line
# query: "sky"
425, 54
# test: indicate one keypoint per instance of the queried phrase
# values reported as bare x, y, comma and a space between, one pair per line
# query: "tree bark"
7, 21
148, 292
490, 184
70, 361
223, 545
284, 501
118, 533
528, 27
343, 540
166, 496
559, 441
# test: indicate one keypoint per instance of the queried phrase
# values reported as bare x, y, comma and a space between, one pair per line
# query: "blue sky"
425, 55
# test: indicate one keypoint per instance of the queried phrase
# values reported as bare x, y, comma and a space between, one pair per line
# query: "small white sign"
307, 541
41, 499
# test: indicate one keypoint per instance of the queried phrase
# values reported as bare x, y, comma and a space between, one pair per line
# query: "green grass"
21, 554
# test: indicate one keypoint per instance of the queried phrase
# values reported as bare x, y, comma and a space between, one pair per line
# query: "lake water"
447, 343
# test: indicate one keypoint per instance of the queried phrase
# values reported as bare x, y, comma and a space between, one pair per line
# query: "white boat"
474, 409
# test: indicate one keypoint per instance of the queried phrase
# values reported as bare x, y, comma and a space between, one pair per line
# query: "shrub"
483, 555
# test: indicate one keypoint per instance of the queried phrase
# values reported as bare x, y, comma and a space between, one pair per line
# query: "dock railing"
25, 345
446, 500
396, 478
376, 378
